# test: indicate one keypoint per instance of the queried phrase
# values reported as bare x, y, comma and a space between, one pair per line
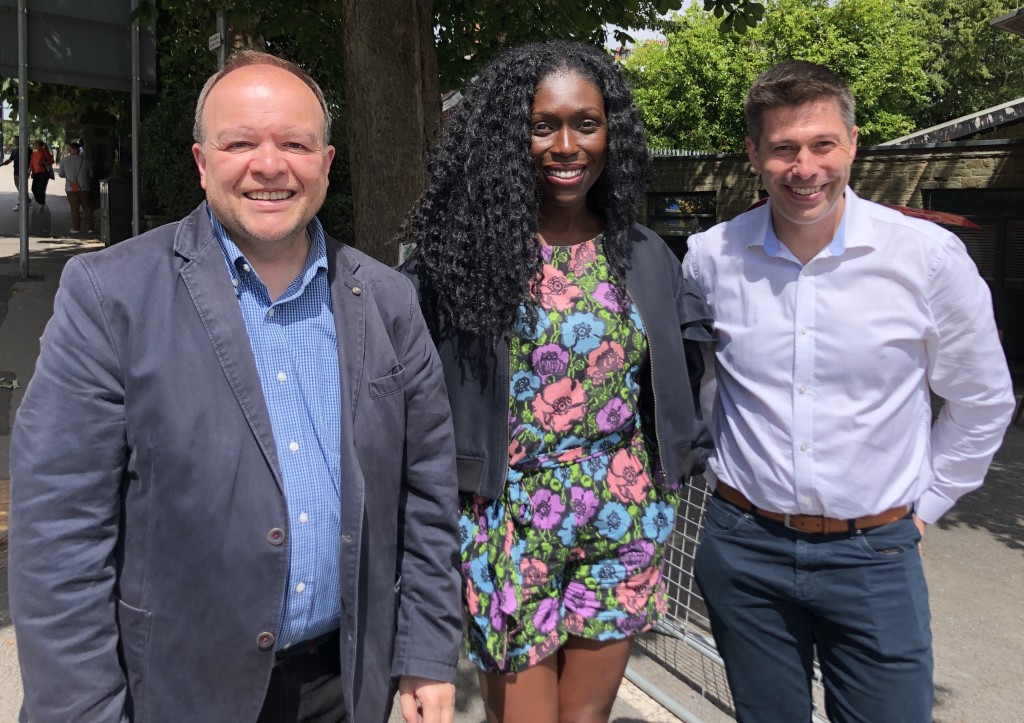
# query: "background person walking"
41, 166
15, 158
77, 172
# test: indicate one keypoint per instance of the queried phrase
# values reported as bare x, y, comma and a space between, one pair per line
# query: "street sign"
214, 41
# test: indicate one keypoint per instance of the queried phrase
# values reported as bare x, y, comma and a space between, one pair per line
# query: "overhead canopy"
85, 43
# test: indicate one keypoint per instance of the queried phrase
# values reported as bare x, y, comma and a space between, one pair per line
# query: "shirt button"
282, 377
265, 641
275, 536
303, 518
270, 313
804, 447
802, 389
245, 268
234, 282
803, 329
300, 587
293, 446
805, 500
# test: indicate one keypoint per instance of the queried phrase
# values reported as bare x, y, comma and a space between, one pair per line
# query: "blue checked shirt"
296, 351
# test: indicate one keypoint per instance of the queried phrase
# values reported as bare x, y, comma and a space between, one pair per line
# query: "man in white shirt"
835, 317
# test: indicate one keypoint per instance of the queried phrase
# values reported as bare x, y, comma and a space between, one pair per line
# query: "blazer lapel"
348, 302
206, 278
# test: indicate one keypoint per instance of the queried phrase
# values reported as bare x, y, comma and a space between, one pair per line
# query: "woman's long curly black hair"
475, 225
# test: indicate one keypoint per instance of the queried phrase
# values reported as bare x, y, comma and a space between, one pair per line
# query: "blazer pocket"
393, 381
134, 625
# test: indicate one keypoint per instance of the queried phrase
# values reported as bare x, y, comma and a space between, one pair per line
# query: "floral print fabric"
574, 544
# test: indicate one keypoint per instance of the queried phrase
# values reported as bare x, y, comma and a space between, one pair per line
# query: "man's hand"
428, 700
920, 528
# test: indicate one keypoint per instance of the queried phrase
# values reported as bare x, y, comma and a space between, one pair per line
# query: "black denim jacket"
676, 318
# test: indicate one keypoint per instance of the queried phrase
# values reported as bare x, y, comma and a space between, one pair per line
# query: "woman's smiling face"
569, 132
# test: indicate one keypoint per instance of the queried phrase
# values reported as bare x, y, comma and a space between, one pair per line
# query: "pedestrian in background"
15, 158
41, 167
76, 170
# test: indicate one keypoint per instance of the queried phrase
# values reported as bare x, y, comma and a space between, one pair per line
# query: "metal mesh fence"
682, 641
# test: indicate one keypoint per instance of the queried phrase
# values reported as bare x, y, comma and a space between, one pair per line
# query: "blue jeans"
774, 594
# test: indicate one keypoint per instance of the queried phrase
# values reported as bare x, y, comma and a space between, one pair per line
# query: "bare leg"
589, 675
527, 697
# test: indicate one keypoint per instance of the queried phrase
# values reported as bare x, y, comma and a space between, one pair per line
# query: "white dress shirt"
823, 370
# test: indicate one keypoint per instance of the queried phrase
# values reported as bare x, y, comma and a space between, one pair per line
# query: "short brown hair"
245, 58
792, 83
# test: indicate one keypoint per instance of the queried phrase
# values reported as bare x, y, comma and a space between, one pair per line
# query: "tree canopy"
690, 90
910, 63
970, 64
470, 32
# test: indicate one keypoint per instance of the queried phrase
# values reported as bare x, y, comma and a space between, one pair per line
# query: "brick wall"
887, 174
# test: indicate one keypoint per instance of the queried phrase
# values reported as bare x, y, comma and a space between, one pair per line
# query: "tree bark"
393, 98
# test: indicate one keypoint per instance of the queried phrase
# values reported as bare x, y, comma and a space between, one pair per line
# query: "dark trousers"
39, 181
305, 687
774, 594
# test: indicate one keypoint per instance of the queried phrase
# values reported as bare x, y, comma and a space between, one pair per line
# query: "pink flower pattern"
606, 360
556, 291
560, 405
627, 478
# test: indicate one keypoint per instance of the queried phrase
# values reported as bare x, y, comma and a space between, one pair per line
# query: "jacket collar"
194, 233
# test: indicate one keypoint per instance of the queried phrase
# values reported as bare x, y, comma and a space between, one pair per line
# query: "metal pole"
23, 133
135, 124
222, 30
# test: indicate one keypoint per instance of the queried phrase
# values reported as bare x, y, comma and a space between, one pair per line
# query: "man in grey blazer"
233, 486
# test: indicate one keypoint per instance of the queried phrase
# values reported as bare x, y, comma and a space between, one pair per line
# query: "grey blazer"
147, 560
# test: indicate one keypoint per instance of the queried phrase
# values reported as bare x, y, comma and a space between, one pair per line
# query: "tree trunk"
393, 98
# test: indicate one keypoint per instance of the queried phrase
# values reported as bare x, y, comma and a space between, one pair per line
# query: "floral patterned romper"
574, 544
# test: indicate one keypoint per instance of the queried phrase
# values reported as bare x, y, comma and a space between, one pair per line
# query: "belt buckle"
821, 519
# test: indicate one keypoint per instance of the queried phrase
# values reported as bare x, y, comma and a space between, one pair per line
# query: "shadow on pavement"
998, 506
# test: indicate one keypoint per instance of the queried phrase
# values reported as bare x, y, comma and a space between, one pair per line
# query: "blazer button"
275, 536
356, 290
265, 641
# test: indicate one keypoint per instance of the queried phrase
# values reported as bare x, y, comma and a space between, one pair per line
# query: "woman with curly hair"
568, 339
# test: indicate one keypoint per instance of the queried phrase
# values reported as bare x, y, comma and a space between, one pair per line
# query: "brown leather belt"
811, 523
